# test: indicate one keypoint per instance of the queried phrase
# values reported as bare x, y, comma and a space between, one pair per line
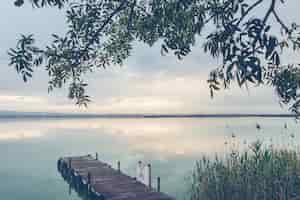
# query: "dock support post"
119, 166
89, 183
96, 156
59, 164
70, 163
158, 184
69, 172
149, 176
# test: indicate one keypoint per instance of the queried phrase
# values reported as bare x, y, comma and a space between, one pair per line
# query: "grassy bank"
258, 173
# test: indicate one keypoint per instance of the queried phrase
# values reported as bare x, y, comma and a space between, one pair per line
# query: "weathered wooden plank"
103, 182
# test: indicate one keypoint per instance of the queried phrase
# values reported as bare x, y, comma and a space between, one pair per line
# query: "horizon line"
16, 114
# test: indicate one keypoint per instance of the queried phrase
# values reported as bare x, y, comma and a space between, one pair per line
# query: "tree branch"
280, 22
129, 23
270, 10
116, 11
249, 9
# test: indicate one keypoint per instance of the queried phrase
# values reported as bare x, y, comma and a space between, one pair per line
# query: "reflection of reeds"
259, 172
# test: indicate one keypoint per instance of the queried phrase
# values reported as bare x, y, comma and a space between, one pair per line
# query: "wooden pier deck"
100, 181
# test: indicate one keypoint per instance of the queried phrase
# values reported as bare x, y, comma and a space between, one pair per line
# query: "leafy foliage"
23, 57
101, 32
42, 3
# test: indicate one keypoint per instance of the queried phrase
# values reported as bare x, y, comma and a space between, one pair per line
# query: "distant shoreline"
222, 116
147, 116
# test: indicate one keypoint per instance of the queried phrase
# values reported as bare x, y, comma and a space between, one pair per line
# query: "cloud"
147, 83
20, 99
122, 90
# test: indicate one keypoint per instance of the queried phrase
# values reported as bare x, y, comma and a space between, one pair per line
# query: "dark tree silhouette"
101, 32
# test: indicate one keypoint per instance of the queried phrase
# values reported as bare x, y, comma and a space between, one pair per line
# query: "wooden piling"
70, 163
119, 166
89, 178
149, 176
158, 184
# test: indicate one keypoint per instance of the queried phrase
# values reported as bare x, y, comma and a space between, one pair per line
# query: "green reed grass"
258, 173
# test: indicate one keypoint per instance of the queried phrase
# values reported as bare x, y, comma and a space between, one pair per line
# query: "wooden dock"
97, 180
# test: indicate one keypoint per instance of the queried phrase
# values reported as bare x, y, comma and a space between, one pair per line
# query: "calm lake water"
30, 148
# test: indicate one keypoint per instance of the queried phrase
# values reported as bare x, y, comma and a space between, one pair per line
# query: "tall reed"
258, 173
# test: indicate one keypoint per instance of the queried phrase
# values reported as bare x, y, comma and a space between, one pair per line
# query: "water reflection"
20, 135
162, 137
73, 184
171, 145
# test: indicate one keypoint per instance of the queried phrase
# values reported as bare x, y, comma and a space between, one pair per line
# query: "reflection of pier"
94, 179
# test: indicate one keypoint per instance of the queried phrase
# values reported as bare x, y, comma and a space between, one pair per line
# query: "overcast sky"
147, 83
